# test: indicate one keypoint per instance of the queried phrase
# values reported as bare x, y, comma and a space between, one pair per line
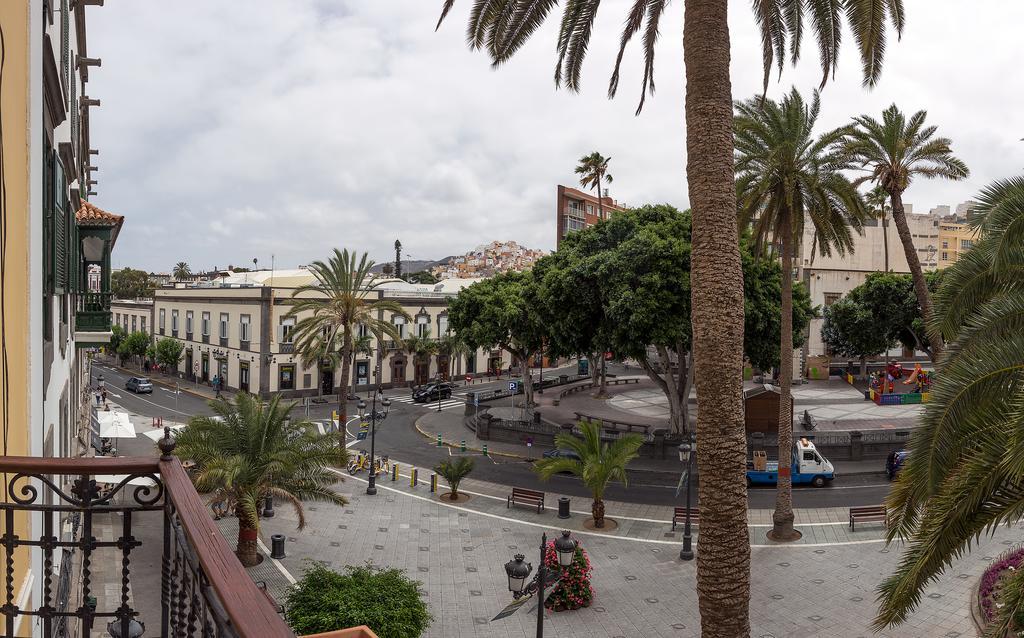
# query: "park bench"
520, 496
679, 517
868, 514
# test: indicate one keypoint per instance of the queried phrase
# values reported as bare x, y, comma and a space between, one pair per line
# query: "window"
174, 320
188, 321
117, 318
286, 377
206, 324
832, 297
945, 256
945, 244
442, 325
808, 456
422, 326
966, 243
134, 318
399, 322
243, 328
163, 319
224, 325
142, 323
362, 331
590, 208
285, 330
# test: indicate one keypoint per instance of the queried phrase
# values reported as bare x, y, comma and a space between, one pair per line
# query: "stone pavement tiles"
642, 588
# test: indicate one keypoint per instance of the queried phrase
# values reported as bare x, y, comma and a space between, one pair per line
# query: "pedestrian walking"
99, 399
103, 394
217, 383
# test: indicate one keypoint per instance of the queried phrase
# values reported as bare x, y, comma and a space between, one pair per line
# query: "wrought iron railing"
92, 311
205, 591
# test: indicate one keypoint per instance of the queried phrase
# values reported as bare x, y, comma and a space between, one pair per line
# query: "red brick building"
578, 210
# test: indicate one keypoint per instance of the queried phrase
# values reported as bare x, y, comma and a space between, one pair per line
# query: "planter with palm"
453, 471
717, 283
964, 478
331, 310
251, 450
181, 271
787, 177
895, 150
593, 169
599, 462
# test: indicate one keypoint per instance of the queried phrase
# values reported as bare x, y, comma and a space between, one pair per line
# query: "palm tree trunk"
885, 239
346, 372
924, 299
246, 548
782, 518
597, 511
600, 203
723, 556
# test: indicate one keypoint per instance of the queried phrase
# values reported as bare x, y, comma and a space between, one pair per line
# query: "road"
398, 438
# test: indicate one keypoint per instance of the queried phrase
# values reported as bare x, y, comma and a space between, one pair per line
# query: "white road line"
277, 563
162, 407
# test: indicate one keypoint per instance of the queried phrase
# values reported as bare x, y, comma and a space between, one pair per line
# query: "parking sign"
513, 386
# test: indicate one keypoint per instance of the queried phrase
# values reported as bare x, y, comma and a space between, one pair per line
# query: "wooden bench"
868, 514
520, 496
679, 517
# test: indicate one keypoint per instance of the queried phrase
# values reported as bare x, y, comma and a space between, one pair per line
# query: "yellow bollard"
433, 483
394, 472
413, 476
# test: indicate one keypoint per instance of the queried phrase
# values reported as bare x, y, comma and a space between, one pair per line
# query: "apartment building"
238, 328
955, 238
576, 210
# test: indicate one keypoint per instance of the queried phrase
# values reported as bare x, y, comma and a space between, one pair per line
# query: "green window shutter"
60, 227
65, 44
74, 122
48, 189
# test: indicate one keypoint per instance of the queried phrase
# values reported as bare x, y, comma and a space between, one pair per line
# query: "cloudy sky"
239, 130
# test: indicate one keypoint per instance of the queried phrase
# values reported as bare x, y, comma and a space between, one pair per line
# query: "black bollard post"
277, 546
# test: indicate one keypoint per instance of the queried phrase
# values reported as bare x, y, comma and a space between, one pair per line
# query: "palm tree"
181, 271
501, 27
895, 151
878, 202
453, 472
420, 348
593, 169
786, 177
251, 450
331, 309
965, 475
453, 347
599, 463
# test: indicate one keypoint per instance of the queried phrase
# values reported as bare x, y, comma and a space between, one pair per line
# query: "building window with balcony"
442, 325
422, 326
966, 243
163, 320
399, 323
945, 256
206, 324
243, 328
285, 330
286, 377
189, 316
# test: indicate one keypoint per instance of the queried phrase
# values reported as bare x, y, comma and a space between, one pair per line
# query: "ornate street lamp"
686, 456
371, 487
565, 547
518, 571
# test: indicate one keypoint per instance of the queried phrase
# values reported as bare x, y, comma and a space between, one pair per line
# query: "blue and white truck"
808, 466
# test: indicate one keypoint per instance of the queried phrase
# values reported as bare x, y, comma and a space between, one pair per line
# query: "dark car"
139, 385
559, 453
433, 392
895, 462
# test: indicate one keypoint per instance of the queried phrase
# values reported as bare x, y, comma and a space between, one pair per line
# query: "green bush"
385, 600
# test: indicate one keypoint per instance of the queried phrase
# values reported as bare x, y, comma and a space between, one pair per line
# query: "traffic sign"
361, 436
513, 386
512, 608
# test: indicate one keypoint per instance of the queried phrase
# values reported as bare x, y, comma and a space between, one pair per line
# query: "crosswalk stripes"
446, 404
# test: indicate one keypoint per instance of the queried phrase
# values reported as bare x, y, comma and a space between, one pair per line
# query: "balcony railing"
287, 348
92, 311
204, 590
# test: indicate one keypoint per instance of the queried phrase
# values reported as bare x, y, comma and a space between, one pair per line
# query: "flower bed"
992, 581
573, 590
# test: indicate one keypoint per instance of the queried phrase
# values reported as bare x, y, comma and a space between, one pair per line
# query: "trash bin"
563, 507
277, 546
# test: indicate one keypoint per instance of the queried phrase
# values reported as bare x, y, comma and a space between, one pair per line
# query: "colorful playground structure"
883, 389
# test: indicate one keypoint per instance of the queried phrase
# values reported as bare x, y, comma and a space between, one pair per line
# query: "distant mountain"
412, 265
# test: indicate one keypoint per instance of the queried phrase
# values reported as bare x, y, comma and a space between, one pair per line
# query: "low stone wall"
839, 446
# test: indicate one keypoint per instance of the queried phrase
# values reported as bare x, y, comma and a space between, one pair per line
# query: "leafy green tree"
133, 345
181, 271
599, 462
250, 450
385, 600
851, 330
423, 277
891, 299
453, 471
129, 283
895, 150
784, 175
593, 169
501, 312
502, 27
330, 311
964, 478
169, 352
762, 310
117, 335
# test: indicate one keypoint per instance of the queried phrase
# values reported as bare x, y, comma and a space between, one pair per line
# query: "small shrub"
454, 471
385, 600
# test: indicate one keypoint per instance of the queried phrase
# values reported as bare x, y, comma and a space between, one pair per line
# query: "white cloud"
230, 131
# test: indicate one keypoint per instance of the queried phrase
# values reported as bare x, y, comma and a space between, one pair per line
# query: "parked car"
432, 392
139, 385
895, 462
558, 453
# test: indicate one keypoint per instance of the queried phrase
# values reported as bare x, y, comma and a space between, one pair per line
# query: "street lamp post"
371, 487
518, 571
686, 456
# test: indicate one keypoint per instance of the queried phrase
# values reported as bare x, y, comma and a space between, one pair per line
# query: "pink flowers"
992, 579
573, 590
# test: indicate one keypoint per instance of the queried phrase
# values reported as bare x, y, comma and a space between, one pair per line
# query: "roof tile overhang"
90, 216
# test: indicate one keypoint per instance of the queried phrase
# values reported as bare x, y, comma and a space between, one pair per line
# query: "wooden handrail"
79, 465
249, 610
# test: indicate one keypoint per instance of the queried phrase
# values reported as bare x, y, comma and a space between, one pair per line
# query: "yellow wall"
951, 248
14, 118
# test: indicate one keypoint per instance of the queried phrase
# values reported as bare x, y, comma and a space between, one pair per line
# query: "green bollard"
438, 440
485, 449
462, 447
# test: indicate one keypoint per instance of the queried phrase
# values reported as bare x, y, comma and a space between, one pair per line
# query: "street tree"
894, 151
134, 344
129, 283
117, 335
330, 311
501, 312
501, 27
850, 330
181, 271
593, 170
786, 177
169, 352
422, 277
